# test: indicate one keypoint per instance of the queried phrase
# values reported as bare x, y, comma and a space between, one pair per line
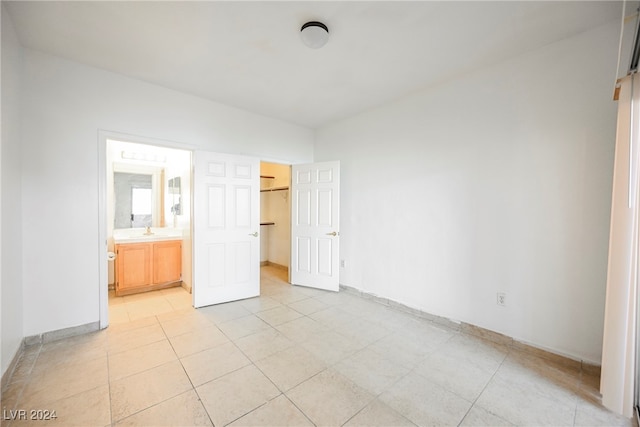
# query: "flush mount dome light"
314, 34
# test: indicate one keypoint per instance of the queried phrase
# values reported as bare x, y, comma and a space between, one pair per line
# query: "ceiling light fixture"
314, 34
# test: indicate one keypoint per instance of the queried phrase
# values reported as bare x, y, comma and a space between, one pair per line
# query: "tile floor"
294, 356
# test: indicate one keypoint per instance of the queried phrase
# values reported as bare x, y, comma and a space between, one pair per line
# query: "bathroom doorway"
147, 216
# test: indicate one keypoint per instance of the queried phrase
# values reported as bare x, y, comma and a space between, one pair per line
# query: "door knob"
254, 234
333, 233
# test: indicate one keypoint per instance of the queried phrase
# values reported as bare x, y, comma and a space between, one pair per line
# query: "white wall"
279, 241
11, 208
65, 105
497, 181
182, 169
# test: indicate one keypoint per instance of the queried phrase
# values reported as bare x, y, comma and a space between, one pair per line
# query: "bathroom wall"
180, 167
11, 223
66, 104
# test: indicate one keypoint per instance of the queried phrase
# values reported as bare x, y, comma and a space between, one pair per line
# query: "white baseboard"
61, 333
478, 331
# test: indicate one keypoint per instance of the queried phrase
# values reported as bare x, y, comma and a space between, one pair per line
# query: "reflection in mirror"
133, 200
141, 212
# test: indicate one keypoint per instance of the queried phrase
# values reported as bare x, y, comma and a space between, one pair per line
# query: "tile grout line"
334, 328
109, 386
473, 404
282, 393
193, 388
391, 385
221, 376
295, 344
296, 406
252, 362
335, 363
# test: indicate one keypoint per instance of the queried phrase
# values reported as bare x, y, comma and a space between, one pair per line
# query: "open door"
226, 220
315, 225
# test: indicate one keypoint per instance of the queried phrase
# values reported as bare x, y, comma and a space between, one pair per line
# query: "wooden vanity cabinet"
148, 266
133, 266
167, 261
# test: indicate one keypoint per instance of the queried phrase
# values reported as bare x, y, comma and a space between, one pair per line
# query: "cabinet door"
133, 265
167, 262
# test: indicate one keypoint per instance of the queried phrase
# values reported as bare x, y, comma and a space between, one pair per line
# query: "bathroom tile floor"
294, 356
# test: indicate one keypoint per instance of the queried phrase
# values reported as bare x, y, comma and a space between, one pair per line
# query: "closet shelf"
274, 189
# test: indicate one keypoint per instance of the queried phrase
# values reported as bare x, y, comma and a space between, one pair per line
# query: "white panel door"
315, 225
226, 220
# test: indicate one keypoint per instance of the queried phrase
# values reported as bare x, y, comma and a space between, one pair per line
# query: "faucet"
148, 231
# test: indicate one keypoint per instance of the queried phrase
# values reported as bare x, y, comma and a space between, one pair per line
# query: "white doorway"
140, 161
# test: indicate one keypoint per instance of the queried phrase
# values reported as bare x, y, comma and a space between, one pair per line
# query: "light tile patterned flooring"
294, 356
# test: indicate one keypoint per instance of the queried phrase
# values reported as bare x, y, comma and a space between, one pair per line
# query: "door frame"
103, 263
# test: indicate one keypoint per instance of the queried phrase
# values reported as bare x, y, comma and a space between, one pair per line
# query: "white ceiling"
249, 54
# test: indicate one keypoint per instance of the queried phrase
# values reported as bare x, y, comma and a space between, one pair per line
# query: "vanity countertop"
139, 235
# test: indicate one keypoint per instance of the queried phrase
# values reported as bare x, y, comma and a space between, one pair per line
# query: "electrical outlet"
342, 263
501, 299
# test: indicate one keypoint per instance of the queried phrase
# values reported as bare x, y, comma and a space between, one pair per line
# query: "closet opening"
275, 218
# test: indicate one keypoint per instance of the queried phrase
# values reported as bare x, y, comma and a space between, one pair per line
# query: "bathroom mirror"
137, 197
174, 193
